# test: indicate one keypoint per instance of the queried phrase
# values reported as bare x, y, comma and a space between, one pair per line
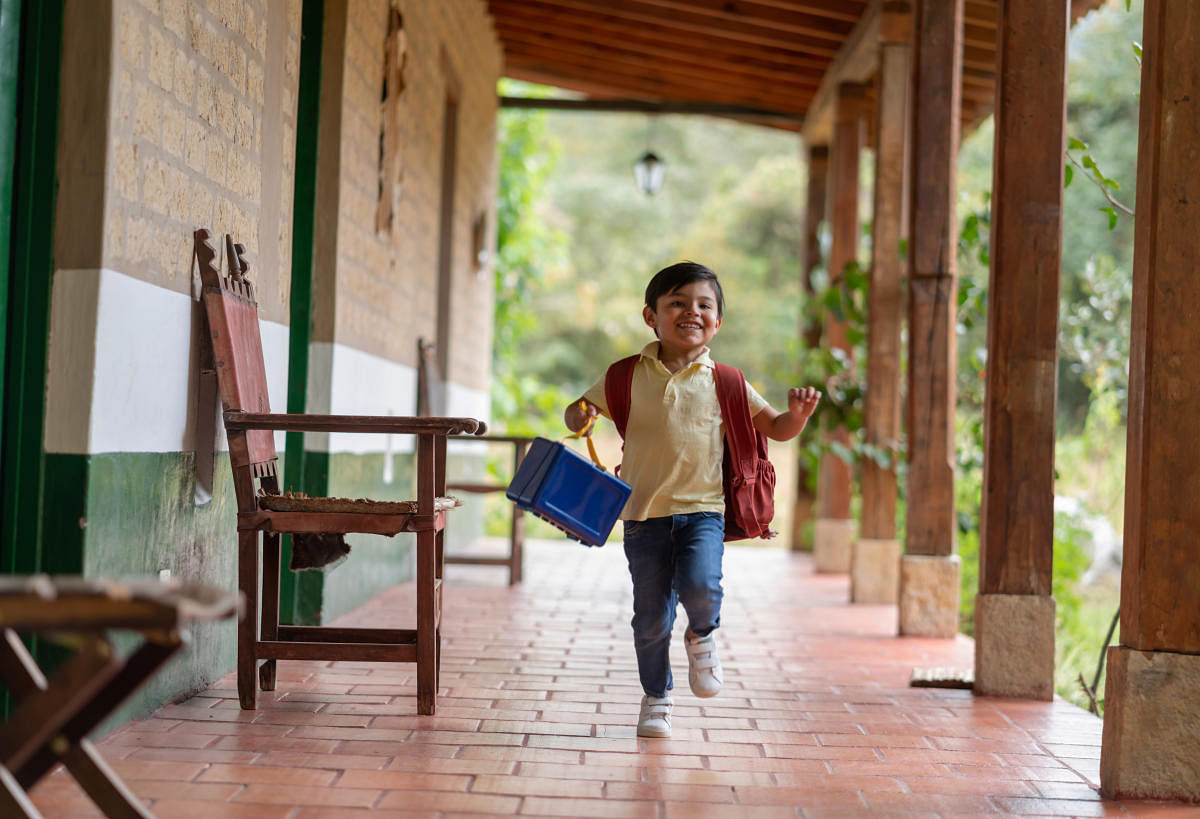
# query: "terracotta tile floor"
537, 713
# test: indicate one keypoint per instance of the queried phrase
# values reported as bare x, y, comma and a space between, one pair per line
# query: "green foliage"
736, 211
526, 246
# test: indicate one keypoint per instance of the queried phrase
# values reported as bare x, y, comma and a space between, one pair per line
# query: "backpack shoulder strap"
735, 412
618, 391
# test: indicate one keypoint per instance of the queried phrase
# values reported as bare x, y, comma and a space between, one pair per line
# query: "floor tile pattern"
539, 698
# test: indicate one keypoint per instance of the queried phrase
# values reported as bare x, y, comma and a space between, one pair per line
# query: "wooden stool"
52, 717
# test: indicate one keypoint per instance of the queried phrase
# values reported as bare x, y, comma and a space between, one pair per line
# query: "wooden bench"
263, 513
52, 717
429, 393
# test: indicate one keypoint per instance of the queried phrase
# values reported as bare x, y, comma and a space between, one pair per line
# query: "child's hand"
580, 414
802, 402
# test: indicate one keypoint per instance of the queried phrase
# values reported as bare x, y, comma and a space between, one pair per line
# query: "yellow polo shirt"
675, 439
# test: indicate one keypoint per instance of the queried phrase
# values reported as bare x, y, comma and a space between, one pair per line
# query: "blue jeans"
672, 560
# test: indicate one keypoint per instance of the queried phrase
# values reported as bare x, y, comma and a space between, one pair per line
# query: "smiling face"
686, 318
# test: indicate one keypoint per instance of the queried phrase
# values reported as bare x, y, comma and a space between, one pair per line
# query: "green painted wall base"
133, 514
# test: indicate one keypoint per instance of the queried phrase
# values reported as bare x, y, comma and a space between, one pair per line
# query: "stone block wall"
177, 114
203, 132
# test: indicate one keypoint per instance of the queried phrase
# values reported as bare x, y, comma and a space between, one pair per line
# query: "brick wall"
202, 133
386, 278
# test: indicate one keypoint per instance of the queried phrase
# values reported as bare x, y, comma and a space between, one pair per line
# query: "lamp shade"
648, 172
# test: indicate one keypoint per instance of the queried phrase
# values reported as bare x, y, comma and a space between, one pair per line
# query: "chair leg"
248, 625
270, 605
426, 623
100, 783
13, 799
516, 556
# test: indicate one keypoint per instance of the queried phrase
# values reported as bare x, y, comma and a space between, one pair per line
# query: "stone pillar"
929, 573
834, 528
875, 558
1151, 746
814, 214
1014, 612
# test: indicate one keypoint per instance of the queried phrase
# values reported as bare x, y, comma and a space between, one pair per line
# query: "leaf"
1112, 217
839, 449
1069, 175
1137, 51
1074, 144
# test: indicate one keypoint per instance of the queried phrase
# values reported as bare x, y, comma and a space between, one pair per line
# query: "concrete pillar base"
1151, 748
875, 571
929, 595
1014, 646
831, 544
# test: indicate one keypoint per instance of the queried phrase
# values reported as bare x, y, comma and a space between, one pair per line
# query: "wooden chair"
52, 717
429, 398
237, 351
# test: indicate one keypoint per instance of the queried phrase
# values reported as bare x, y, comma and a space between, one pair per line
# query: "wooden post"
929, 572
1014, 612
875, 559
810, 332
834, 527
1151, 747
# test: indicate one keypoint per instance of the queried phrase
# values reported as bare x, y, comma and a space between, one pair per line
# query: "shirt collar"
650, 351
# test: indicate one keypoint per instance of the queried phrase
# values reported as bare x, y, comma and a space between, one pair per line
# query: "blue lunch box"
567, 490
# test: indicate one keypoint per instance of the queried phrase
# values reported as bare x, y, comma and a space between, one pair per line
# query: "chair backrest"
431, 394
232, 314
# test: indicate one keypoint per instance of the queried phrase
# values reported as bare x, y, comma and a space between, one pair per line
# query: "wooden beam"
933, 273
803, 510
855, 62
885, 296
1017, 527
835, 480
1162, 517
643, 106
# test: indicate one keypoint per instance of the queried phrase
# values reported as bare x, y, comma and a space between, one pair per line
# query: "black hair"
670, 279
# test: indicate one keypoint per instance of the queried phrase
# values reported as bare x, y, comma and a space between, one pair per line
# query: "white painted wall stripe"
124, 359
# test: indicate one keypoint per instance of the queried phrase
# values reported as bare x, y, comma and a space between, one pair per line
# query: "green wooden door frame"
28, 269
300, 595
10, 61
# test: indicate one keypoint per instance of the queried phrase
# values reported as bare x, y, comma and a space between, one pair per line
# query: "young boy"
674, 519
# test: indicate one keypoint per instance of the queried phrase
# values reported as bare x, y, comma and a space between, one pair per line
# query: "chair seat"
363, 506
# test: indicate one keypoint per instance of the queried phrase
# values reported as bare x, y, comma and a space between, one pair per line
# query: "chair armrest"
502, 439
294, 422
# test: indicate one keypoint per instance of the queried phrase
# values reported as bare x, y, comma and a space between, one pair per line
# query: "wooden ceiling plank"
681, 46
637, 12
624, 83
535, 44
845, 10
739, 11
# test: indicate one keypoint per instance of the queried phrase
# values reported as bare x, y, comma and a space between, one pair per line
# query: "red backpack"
748, 477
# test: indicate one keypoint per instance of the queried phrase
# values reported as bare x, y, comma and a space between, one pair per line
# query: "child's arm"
575, 415
783, 426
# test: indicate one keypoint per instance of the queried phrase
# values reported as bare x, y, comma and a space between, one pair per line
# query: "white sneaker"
704, 668
655, 718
